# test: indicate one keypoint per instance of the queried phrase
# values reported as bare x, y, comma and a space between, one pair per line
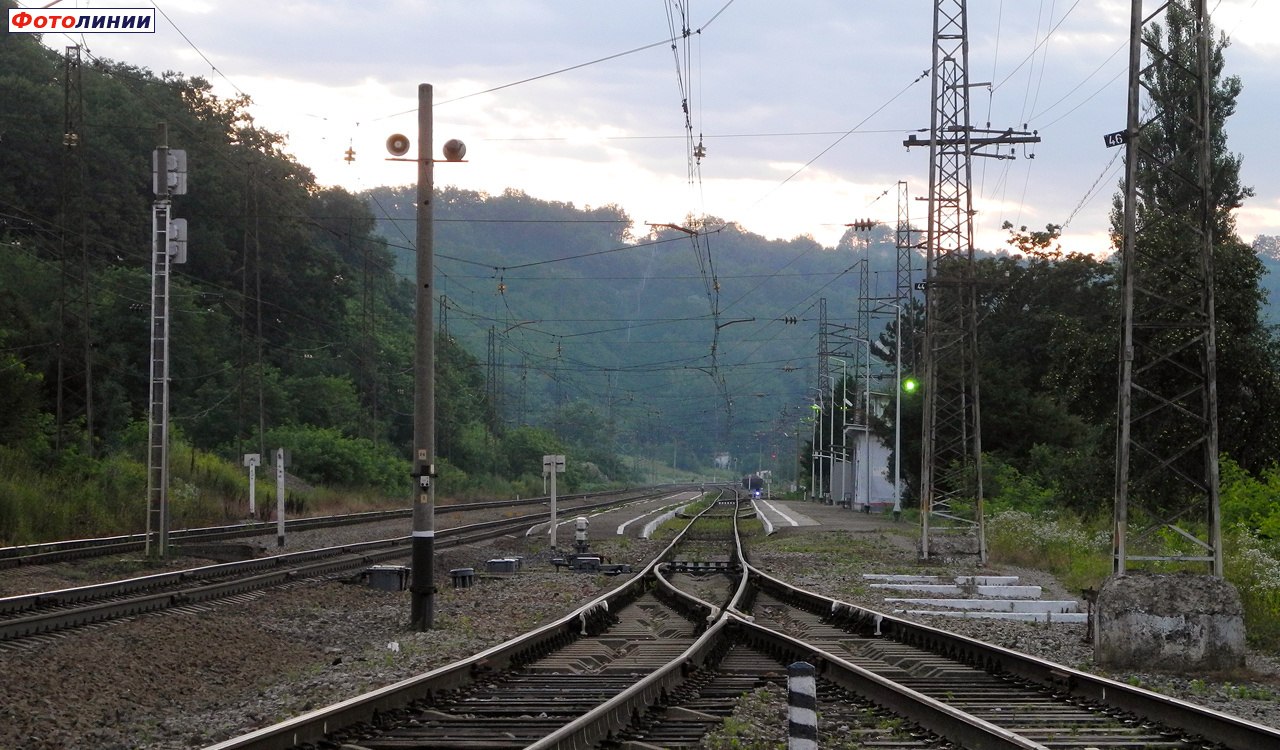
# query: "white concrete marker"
624, 526
785, 517
997, 592
995, 605
653, 525
1070, 617
768, 525
544, 524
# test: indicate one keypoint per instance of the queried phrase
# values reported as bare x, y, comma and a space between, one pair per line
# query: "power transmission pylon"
824, 387
369, 324
74, 384
951, 470
905, 291
1167, 446
493, 379
847, 343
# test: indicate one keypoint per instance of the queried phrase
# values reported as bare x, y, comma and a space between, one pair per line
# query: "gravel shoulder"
36, 578
192, 678
182, 680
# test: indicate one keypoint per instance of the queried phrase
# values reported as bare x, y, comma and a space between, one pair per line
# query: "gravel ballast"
202, 675
191, 678
832, 563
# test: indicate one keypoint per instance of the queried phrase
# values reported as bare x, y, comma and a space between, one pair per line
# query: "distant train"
753, 482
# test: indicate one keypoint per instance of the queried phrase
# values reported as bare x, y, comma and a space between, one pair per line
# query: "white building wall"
848, 481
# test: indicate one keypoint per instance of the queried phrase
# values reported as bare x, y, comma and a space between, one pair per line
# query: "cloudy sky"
771, 86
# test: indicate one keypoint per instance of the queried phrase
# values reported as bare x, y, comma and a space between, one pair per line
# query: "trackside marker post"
252, 460
802, 707
282, 458
553, 465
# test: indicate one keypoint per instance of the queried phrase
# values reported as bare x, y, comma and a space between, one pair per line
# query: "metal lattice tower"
905, 291
845, 342
74, 379
1167, 446
951, 470
493, 379
367, 359
824, 387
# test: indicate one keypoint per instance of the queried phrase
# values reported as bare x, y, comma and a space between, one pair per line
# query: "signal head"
398, 145
454, 150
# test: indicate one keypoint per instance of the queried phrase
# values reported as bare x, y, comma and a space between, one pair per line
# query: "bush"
326, 456
81, 498
1253, 566
1071, 549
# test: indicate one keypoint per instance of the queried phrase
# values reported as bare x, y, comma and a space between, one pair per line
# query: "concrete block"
958, 580
1075, 618
987, 580
388, 577
502, 565
1172, 622
999, 592
889, 578
994, 605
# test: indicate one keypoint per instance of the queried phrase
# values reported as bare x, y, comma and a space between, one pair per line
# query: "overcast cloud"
331, 73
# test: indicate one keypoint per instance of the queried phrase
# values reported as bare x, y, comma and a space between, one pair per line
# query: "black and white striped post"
802, 707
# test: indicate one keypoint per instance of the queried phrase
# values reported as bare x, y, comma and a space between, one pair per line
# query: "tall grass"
102, 497
1253, 565
1078, 552
93, 499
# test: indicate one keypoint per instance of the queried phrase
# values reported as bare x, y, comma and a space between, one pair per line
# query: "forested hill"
570, 329
272, 323
595, 314
611, 323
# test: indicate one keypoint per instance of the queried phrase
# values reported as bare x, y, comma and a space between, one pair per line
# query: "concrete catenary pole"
158, 400
279, 497
422, 589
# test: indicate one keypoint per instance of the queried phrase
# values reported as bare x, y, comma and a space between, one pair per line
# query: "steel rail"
71, 549
934, 715
619, 711
1230, 731
313, 726
616, 713
101, 602
23, 602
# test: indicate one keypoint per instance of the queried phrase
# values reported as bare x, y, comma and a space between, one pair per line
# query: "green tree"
1247, 354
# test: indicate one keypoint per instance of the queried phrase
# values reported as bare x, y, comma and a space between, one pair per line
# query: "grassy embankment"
107, 496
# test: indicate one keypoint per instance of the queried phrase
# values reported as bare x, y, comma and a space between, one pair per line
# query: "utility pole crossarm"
1002, 138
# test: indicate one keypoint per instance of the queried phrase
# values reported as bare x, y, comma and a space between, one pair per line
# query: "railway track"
74, 549
659, 661
51, 611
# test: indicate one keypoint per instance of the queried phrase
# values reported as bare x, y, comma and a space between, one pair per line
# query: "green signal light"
910, 385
